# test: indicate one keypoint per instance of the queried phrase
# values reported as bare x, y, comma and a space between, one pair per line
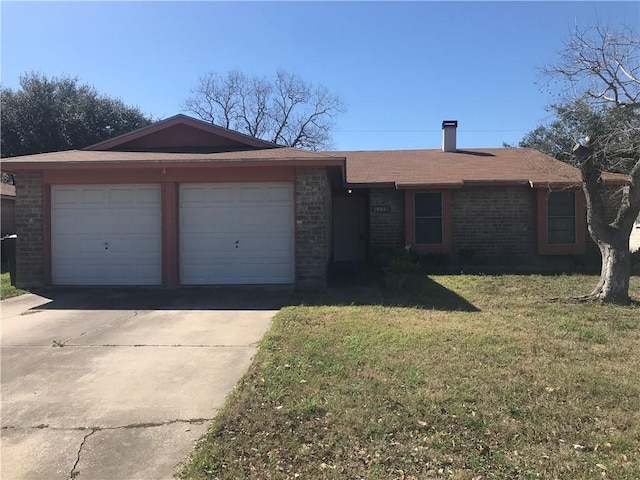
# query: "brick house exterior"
157, 156
313, 228
490, 226
514, 208
274, 217
495, 222
386, 227
29, 224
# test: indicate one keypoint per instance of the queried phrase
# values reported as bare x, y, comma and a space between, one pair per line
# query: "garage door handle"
106, 245
237, 242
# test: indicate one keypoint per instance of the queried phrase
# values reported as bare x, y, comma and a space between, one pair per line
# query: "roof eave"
553, 184
126, 164
429, 185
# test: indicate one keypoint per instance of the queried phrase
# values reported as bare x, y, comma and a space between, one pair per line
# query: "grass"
6, 289
466, 377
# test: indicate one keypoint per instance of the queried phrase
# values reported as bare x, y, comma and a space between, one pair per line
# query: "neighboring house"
8, 200
183, 202
634, 241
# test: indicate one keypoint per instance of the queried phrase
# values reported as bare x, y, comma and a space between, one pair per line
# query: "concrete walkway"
94, 387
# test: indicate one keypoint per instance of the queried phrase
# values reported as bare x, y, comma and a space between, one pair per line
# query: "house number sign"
380, 208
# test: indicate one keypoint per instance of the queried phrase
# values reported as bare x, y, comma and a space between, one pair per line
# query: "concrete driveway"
120, 383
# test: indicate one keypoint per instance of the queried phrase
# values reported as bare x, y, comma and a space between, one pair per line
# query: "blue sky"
402, 67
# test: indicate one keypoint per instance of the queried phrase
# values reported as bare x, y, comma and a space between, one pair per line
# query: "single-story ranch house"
184, 202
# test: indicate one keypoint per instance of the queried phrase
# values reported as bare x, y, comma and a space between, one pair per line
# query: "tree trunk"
613, 286
612, 238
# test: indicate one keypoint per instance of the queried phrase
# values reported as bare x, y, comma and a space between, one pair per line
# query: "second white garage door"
237, 233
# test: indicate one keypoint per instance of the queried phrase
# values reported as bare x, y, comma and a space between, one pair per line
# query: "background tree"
286, 110
53, 114
597, 129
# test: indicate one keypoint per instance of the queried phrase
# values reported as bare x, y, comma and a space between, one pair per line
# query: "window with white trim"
428, 218
561, 218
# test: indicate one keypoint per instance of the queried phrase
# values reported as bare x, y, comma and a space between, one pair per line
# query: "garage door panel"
208, 194
204, 246
279, 217
106, 235
92, 196
145, 196
272, 246
122, 196
280, 194
251, 194
265, 218
236, 233
280, 245
206, 220
200, 272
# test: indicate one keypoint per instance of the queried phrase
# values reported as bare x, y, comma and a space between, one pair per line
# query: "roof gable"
182, 134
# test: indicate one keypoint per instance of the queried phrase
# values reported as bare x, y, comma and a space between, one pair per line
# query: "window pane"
561, 224
559, 237
562, 204
428, 204
561, 218
428, 231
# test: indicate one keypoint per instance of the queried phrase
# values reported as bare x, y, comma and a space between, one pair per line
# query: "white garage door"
106, 235
234, 233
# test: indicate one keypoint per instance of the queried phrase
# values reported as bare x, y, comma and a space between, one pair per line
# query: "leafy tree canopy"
612, 132
53, 114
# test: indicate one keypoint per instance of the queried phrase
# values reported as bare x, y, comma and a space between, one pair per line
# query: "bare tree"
599, 72
286, 110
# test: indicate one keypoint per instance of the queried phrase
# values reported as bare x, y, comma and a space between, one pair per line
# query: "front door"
349, 228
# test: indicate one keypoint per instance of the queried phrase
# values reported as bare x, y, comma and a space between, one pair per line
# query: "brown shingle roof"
109, 157
407, 168
399, 168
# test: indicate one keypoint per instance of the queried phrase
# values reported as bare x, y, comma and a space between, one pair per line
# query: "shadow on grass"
364, 286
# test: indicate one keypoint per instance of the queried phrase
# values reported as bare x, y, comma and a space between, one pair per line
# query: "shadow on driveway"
347, 286
157, 298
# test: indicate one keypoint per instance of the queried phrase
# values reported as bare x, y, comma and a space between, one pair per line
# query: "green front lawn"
6, 290
470, 377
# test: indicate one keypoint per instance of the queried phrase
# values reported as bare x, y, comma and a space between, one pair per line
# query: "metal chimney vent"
449, 135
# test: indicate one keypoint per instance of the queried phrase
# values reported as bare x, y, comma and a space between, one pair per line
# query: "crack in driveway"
197, 421
57, 402
74, 470
105, 326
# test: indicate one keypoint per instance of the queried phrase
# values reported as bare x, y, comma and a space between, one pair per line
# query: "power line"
426, 131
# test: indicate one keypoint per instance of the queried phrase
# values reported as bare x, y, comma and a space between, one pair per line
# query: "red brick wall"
495, 223
29, 227
386, 229
313, 228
